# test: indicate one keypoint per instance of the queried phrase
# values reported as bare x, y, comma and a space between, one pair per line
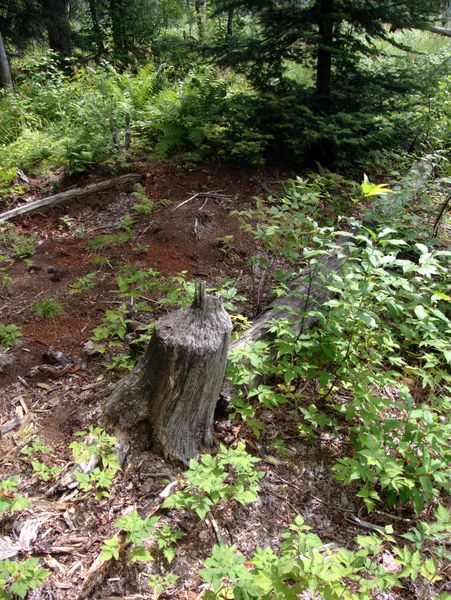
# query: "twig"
287, 502
210, 519
440, 215
19, 312
395, 517
149, 299
313, 497
215, 195
186, 201
365, 524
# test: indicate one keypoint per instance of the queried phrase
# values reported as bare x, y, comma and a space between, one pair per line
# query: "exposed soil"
170, 240
55, 401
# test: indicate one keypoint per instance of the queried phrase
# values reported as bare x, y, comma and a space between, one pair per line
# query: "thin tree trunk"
117, 17
200, 20
324, 54
5, 73
230, 14
96, 27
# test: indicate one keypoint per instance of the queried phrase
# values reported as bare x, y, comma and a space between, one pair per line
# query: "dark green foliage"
335, 115
300, 31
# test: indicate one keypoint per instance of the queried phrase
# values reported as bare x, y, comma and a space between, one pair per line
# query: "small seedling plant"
9, 335
95, 446
10, 500
19, 577
35, 449
47, 308
228, 475
141, 532
83, 284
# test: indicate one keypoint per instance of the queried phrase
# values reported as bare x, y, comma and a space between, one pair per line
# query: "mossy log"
176, 384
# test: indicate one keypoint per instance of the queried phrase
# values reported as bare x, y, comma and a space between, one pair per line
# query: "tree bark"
200, 20
440, 30
96, 27
324, 54
56, 14
176, 384
5, 73
118, 14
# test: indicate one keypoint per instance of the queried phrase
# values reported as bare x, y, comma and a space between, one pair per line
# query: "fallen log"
71, 194
440, 30
306, 294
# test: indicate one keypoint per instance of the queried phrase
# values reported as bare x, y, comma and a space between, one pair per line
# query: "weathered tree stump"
176, 384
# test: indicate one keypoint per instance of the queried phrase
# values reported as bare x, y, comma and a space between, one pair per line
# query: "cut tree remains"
176, 384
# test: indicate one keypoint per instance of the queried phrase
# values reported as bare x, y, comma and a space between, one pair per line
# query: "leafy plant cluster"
34, 449
17, 577
229, 474
136, 288
95, 446
385, 325
209, 481
101, 115
305, 564
9, 335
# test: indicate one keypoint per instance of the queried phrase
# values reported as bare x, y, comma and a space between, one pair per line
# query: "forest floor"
39, 396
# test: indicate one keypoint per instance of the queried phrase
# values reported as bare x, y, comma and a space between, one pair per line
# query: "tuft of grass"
47, 308
108, 240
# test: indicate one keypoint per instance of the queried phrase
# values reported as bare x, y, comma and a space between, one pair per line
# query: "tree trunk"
324, 54
230, 14
5, 73
96, 27
56, 14
118, 14
176, 384
199, 19
68, 195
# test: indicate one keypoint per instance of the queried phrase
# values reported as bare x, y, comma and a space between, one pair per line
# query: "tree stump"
176, 384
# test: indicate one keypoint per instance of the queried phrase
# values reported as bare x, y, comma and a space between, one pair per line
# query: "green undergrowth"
384, 326
101, 115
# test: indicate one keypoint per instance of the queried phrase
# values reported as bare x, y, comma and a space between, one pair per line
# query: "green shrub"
18, 577
386, 324
230, 474
305, 565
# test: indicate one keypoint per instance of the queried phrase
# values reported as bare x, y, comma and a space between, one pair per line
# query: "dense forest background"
331, 81
291, 157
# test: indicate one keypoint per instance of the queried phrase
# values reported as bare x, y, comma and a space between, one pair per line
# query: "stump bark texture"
177, 382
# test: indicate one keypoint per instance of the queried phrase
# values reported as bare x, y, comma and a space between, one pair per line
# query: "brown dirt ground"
55, 402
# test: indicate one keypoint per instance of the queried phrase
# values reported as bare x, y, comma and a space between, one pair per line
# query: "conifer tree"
331, 34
